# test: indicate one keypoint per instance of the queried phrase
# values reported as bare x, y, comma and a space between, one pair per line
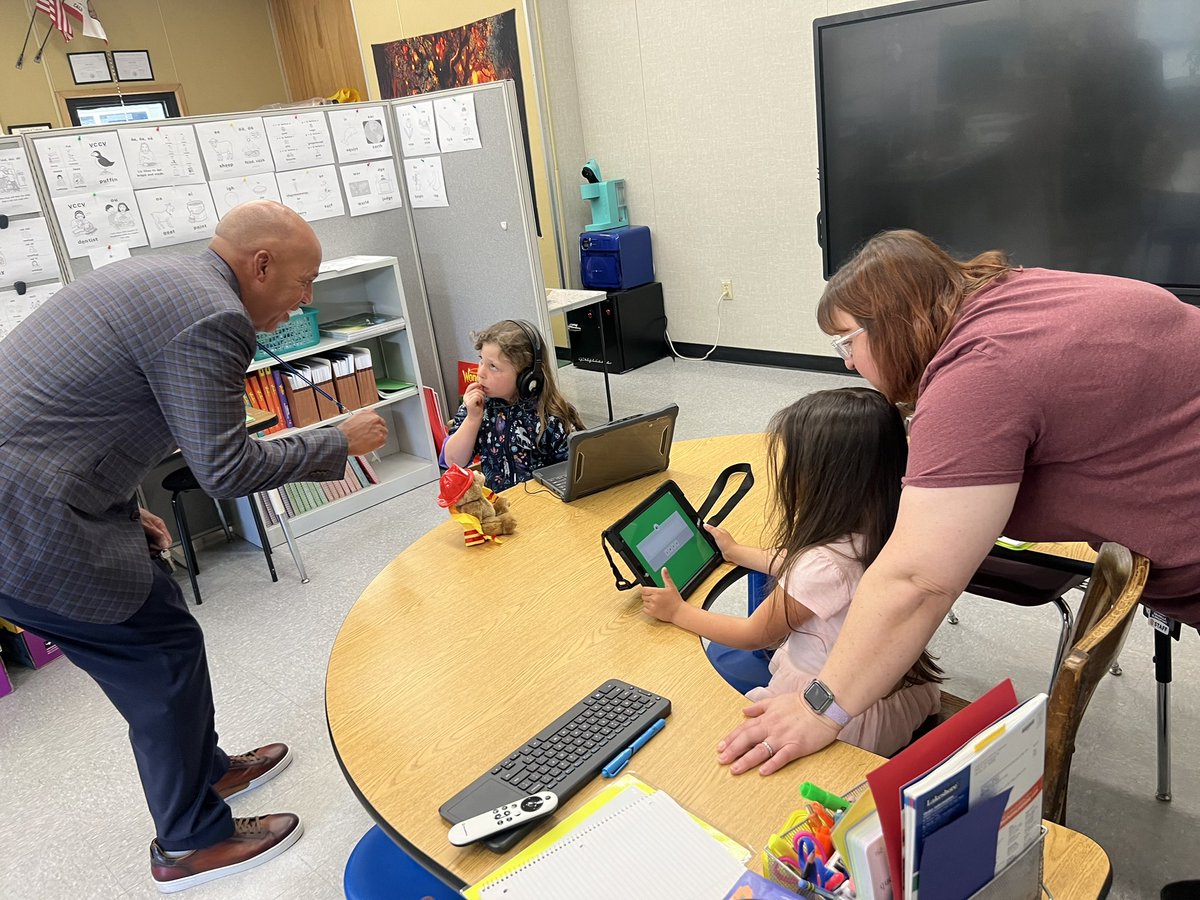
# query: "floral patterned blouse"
509, 446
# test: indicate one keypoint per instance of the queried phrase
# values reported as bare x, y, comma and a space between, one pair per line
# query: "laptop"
620, 451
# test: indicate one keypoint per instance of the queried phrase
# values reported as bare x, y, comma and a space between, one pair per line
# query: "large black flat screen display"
1066, 132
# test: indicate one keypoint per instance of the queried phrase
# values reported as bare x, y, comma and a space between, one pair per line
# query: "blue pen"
611, 770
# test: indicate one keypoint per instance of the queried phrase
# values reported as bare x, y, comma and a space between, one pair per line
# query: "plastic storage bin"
297, 333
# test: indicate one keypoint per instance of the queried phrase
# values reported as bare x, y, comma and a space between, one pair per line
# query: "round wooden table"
454, 656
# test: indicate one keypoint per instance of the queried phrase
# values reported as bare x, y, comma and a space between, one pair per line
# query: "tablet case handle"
718, 488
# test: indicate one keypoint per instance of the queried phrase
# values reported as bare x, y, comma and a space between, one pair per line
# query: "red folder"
918, 758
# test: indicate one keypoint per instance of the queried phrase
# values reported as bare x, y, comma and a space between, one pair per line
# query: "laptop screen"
664, 535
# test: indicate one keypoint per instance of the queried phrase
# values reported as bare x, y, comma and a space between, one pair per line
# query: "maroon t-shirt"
1086, 390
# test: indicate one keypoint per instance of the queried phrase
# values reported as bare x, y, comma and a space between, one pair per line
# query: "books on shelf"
304, 496
352, 325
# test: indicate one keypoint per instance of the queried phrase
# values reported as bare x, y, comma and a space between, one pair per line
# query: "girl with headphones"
513, 416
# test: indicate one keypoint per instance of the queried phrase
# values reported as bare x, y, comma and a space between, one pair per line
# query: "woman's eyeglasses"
842, 344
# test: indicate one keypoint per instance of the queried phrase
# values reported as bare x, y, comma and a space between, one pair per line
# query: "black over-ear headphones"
529, 381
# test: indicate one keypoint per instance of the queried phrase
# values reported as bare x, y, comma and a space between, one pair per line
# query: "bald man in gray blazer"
100, 384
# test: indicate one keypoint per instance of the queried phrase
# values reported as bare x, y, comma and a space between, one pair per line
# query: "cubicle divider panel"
479, 252
388, 232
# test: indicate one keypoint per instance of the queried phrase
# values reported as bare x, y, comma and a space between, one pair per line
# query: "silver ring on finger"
770, 749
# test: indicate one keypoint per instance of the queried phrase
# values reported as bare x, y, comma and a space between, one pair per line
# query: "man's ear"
261, 261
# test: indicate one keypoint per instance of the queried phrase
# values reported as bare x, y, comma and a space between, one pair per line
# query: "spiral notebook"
628, 841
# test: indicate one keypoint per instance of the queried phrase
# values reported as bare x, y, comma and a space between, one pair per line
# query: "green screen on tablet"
663, 534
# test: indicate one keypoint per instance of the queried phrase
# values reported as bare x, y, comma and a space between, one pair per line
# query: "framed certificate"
133, 65
89, 68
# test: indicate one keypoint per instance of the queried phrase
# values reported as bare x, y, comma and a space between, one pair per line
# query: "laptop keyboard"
558, 482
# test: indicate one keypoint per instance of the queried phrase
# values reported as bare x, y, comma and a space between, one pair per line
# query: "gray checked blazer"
99, 385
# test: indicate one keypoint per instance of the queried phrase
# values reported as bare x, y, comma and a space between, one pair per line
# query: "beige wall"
380, 21
708, 111
221, 52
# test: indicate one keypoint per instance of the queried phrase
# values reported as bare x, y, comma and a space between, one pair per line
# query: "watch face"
818, 696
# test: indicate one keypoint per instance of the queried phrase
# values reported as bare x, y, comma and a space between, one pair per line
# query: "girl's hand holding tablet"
662, 603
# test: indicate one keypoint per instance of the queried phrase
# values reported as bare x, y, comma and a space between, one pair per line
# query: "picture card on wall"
229, 192
360, 133
91, 221
17, 193
299, 140
418, 134
16, 307
426, 185
314, 193
371, 186
27, 252
161, 155
457, 126
84, 162
235, 147
177, 214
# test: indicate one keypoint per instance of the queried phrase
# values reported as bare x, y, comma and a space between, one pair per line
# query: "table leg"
281, 513
1162, 675
604, 358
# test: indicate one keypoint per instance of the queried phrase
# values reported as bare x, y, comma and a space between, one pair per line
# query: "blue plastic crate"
297, 333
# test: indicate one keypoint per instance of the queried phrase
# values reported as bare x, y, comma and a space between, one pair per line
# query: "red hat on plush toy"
453, 485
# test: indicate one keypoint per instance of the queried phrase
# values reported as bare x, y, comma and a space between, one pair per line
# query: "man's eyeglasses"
842, 344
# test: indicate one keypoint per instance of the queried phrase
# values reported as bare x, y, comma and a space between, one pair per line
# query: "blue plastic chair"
377, 868
744, 669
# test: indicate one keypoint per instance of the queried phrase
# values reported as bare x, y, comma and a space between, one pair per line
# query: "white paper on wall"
229, 192
161, 155
314, 193
83, 162
371, 187
27, 252
14, 307
426, 184
299, 140
418, 134
457, 127
17, 193
91, 221
360, 133
177, 214
235, 147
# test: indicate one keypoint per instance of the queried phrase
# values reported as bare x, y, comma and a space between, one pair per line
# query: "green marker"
831, 802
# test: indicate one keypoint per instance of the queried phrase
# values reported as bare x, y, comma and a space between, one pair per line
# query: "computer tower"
634, 326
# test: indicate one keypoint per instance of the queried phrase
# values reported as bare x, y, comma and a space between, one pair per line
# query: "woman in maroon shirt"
1046, 406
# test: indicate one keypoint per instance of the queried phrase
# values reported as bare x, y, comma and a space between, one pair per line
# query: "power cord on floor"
716, 340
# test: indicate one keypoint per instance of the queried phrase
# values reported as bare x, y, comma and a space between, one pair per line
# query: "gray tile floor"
73, 823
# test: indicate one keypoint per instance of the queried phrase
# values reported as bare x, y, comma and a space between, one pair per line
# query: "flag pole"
38, 58
25, 43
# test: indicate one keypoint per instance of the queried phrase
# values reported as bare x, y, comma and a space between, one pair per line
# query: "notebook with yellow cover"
661, 847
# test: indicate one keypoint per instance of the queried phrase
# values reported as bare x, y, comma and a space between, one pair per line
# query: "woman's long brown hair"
906, 291
836, 460
514, 345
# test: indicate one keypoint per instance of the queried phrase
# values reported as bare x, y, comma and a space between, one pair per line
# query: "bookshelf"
408, 460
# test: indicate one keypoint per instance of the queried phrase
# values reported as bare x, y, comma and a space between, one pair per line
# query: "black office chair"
180, 482
1024, 584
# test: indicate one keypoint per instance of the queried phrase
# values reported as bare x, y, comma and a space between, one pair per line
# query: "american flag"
55, 10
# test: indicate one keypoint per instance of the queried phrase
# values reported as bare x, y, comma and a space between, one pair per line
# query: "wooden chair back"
1105, 615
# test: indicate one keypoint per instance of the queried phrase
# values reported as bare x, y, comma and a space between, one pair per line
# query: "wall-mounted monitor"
1066, 132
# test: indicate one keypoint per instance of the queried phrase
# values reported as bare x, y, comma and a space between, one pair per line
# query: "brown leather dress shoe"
254, 841
249, 770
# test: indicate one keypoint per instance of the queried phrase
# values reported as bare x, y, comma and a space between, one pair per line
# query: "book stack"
347, 374
956, 811
305, 496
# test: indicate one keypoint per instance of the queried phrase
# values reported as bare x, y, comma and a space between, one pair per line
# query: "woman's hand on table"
776, 731
662, 603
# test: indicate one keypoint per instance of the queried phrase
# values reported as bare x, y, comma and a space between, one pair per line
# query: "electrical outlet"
726, 288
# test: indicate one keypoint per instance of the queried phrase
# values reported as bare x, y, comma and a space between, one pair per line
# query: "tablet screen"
663, 535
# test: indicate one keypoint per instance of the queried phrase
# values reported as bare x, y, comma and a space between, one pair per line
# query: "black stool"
179, 482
